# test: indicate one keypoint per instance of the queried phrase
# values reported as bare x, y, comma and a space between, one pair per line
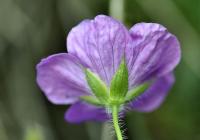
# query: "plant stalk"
115, 110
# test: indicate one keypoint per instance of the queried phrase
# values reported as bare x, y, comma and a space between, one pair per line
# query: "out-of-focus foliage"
33, 133
33, 29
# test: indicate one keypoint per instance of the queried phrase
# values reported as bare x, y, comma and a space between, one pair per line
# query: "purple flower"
151, 53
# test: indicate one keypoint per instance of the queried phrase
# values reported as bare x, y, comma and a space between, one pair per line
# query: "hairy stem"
115, 110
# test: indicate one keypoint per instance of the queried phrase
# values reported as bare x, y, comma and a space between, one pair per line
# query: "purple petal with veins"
80, 112
155, 95
62, 79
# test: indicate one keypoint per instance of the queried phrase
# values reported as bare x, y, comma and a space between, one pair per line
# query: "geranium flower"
97, 48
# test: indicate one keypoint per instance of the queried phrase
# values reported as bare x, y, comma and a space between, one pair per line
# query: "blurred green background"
33, 29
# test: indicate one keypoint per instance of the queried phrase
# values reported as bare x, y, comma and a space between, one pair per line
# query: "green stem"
115, 110
116, 9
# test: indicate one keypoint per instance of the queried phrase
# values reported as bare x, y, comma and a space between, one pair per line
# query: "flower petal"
61, 79
81, 111
156, 52
154, 96
99, 44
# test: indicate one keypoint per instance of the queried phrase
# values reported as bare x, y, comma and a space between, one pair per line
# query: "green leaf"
91, 100
97, 86
136, 91
119, 83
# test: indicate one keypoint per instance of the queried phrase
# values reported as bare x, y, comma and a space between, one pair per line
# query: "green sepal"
98, 87
136, 92
91, 100
119, 83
